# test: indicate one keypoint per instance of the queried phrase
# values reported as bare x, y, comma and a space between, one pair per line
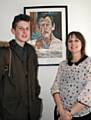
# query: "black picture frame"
60, 15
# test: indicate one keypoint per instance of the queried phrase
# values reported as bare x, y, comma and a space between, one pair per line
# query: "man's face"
22, 31
45, 27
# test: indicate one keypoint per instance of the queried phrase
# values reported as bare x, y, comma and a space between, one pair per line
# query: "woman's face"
74, 44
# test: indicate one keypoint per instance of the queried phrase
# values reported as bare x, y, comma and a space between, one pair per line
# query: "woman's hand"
64, 114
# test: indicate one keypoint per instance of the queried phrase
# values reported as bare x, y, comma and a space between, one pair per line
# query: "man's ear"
53, 27
13, 31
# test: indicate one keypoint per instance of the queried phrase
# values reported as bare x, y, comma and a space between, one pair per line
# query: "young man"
19, 87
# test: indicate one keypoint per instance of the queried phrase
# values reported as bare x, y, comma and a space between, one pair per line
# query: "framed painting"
48, 30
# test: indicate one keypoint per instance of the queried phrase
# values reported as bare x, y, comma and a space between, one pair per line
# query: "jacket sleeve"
33, 71
1, 64
37, 86
1, 76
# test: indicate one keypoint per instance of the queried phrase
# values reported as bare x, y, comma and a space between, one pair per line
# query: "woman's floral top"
73, 81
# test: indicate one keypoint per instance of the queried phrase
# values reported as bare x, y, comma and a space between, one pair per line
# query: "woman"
71, 89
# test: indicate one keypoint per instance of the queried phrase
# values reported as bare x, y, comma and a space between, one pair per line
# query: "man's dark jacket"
19, 87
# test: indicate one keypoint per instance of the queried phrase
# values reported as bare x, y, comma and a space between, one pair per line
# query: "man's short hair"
20, 17
44, 15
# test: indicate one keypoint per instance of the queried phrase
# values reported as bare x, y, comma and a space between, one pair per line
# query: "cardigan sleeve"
85, 95
56, 84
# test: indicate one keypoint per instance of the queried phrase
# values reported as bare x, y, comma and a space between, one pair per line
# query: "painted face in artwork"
45, 27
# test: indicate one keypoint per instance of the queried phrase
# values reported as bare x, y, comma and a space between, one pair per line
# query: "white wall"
79, 18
